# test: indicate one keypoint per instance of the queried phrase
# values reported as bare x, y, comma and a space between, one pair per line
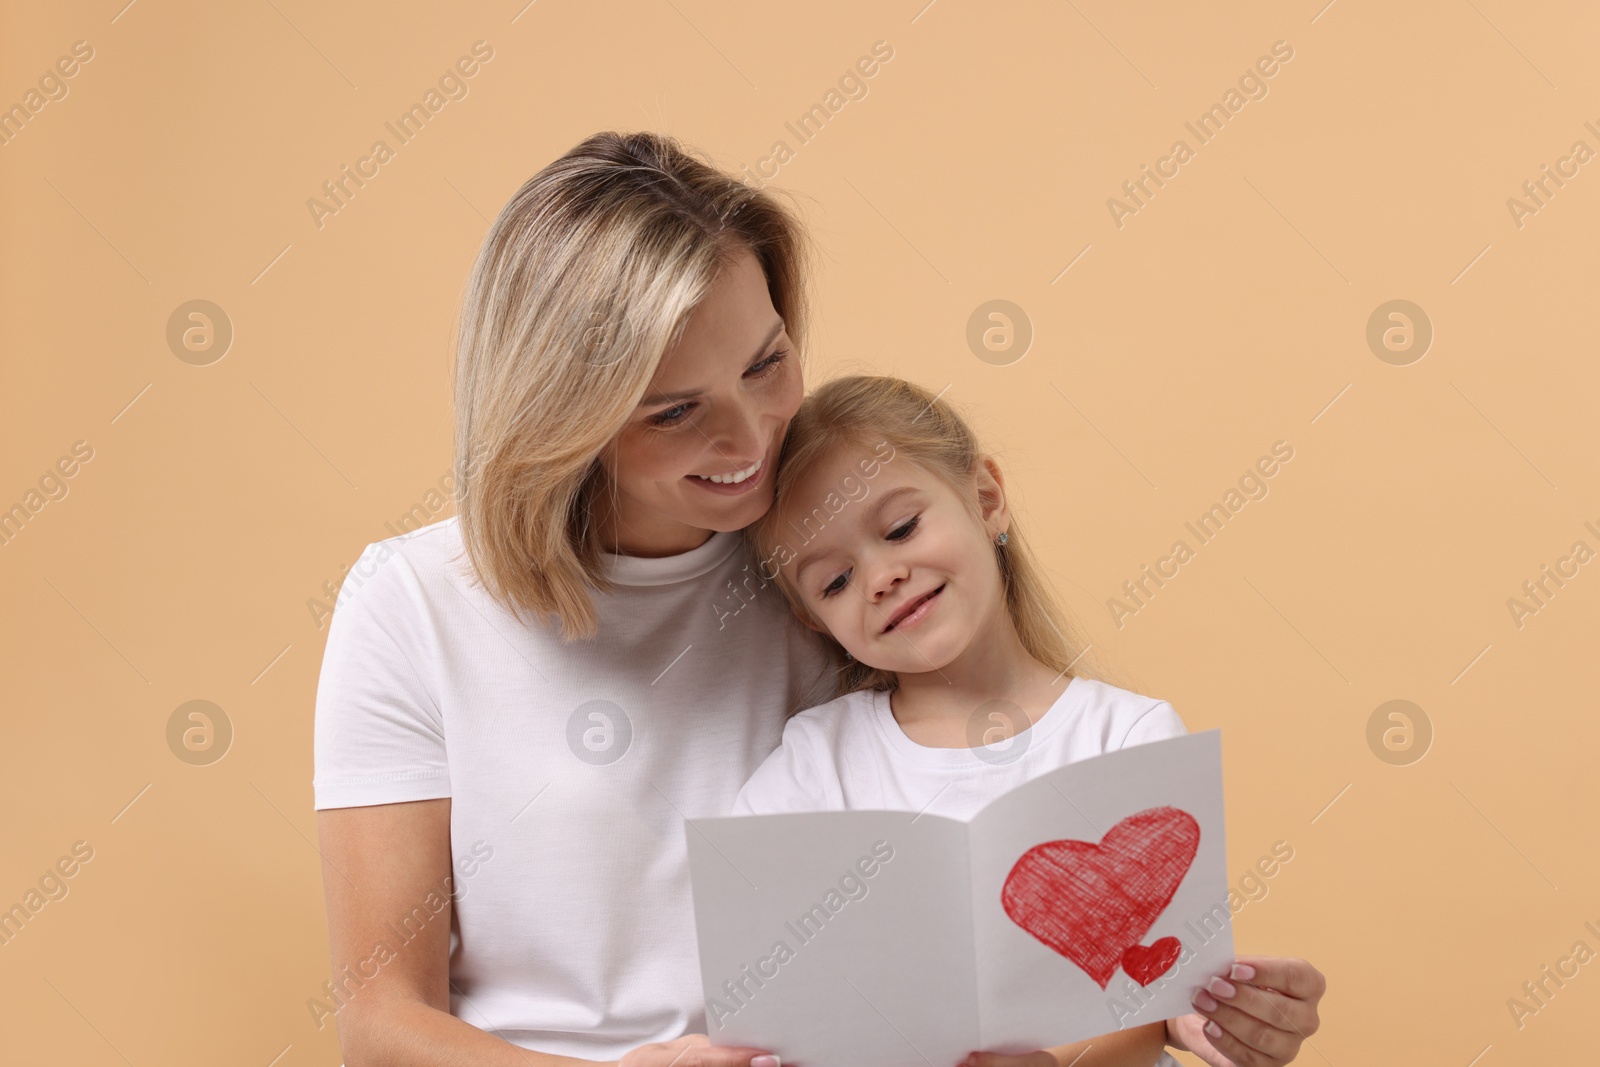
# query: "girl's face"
719, 404
905, 578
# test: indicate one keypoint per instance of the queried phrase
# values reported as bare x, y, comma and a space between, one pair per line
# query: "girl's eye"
900, 533
674, 415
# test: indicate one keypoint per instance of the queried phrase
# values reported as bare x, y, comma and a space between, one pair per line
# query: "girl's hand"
695, 1050
995, 1059
1137, 1046
1271, 1009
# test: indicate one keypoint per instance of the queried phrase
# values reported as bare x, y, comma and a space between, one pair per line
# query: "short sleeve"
788, 780
379, 735
1158, 723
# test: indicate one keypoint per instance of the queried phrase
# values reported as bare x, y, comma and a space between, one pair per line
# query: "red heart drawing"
1145, 964
1093, 903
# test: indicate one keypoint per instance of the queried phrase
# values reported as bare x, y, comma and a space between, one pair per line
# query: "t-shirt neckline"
664, 570
964, 758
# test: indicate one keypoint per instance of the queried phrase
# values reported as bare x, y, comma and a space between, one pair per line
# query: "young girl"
891, 535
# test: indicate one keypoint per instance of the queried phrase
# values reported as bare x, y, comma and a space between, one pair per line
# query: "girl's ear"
992, 496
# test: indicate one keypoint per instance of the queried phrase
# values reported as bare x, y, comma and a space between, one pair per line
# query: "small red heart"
1145, 964
1094, 902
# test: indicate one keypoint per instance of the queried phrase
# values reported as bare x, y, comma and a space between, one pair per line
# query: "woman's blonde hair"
586, 279
865, 413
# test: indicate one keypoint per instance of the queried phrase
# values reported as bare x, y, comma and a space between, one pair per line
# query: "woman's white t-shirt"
570, 768
850, 753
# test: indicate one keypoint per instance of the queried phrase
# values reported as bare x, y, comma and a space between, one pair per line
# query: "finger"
1270, 1007
688, 1041
995, 1059
1224, 1050
1197, 1041
1291, 976
680, 1047
713, 1056
1192, 1029
1265, 1042
719, 1057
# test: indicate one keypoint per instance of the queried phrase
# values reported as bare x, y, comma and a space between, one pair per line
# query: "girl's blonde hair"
864, 413
586, 279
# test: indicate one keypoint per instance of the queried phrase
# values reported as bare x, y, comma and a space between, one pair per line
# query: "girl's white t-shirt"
570, 769
851, 754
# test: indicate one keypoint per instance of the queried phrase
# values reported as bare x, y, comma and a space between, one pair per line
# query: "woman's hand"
696, 1050
1271, 1009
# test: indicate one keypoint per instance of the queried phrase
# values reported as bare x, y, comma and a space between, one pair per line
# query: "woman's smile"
753, 475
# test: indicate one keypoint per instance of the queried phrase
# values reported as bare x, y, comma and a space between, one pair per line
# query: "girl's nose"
884, 574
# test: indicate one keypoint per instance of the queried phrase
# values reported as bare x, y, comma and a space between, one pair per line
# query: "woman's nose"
737, 435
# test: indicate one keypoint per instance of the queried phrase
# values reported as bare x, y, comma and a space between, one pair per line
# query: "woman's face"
909, 541
719, 404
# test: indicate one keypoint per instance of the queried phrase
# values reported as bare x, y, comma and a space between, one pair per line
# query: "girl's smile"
913, 612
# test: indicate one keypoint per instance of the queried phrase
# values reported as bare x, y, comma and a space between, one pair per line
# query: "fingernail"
764, 1061
1213, 1029
1203, 1001
1242, 972
1221, 987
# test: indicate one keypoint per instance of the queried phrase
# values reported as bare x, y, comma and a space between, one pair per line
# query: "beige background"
1229, 313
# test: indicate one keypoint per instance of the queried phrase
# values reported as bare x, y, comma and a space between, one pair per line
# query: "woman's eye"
674, 415
904, 531
769, 364
671, 415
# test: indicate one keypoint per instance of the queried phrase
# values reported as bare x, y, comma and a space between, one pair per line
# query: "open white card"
1089, 899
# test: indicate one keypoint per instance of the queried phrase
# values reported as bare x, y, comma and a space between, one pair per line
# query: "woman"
520, 706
